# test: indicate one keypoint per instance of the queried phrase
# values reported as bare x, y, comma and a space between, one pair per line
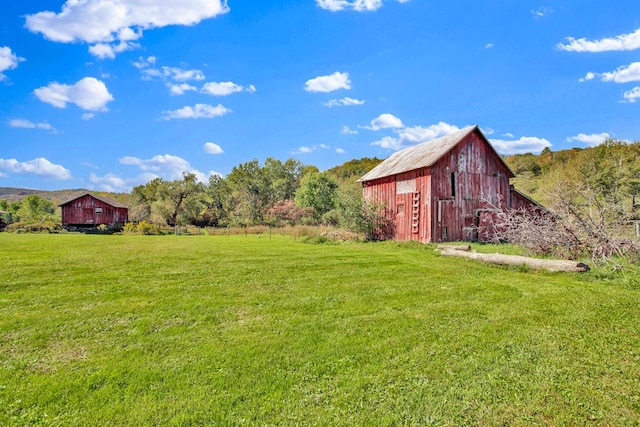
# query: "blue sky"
109, 94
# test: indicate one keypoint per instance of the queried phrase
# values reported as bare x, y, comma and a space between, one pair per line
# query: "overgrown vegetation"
592, 198
251, 330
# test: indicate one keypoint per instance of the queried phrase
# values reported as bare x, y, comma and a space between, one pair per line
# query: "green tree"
180, 200
35, 209
317, 191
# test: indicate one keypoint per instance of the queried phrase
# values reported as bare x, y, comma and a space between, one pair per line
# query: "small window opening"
400, 209
453, 185
98, 210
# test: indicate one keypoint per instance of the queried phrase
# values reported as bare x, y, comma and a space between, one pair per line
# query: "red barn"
442, 190
88, 211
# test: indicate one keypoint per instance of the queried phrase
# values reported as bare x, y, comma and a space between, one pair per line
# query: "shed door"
87, 215
443, 220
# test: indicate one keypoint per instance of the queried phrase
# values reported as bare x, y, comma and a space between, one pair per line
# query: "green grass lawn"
258, 330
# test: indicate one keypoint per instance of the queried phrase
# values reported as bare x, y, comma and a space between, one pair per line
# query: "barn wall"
464, 181
85, 211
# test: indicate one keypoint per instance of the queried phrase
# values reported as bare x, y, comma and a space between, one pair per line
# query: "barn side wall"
88, 211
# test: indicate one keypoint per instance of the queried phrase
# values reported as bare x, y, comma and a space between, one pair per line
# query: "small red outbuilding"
88, 211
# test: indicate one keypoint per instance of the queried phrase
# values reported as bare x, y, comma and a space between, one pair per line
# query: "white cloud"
225, 88
89, 94
418, 134
591, 140
588, 76
385, 121
40, 166
88, 116
488, 45
111, 182
488, 131
526, 144
630, 73
340, 151
198, 111
104, 50
346, 101
27, 124
632, 95
389, 142
164, 166
8, 61
356, 5
622, 42
346, 131
172, 73
622, 74
305, 149
508, 135
328, 83
144, 63
409, 136
115, 22
541, 11
211, 148
180, 89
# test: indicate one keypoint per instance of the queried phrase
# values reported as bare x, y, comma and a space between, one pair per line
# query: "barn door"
443, 220
87, 215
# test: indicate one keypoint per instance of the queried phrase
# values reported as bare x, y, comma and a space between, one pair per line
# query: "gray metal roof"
419, 156
104, 199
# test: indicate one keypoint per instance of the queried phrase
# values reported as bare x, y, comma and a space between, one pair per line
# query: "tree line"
272, 193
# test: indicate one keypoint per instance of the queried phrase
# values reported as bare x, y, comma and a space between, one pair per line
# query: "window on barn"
453, 185
400, 209
98, 210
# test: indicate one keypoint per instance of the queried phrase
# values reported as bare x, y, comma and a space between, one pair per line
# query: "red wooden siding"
88, 210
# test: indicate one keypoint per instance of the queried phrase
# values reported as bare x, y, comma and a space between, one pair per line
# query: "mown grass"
259, 330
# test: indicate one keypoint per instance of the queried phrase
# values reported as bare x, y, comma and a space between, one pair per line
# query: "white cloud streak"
632, 95
622, 42
591, 140
225, 88
8, 61
27, 124
165, 166
212, 148
180, 89
344, 102
89, 94
198, 111
328, 83
408, 136
112, 26
525, 144
355, 5
40, 166
385, 121
347, 131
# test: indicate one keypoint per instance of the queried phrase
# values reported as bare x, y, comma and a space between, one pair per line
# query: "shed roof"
103, 199
421, 155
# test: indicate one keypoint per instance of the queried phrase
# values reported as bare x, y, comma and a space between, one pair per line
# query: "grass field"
259, 330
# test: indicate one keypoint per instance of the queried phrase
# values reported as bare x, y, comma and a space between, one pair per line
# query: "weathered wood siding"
89, 211
465, 181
